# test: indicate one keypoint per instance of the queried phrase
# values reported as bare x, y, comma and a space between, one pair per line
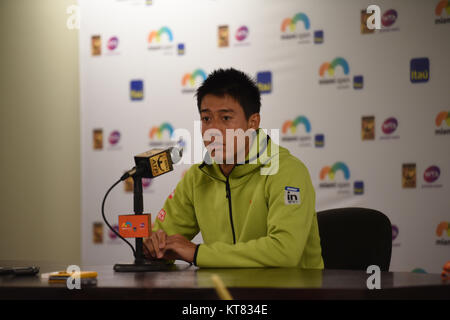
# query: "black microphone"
153, 163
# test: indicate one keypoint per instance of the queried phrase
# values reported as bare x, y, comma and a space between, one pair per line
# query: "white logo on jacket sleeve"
291, 195
162, 215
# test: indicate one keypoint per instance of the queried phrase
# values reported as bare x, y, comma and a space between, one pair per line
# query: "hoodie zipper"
228, 192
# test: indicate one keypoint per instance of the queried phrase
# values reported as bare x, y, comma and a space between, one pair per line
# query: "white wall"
39, 133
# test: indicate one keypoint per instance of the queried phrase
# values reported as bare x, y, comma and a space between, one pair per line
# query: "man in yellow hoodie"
253, 201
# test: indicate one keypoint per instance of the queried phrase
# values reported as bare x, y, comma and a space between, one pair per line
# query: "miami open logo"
160, 136
442, 122
297, 28
443, 12
339, 171
190, 81
337, 72
298, 130
161, 40
443, 230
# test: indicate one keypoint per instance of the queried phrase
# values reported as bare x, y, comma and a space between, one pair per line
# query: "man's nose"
218, 125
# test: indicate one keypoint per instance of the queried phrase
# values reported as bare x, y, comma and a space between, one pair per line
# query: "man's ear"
253, 121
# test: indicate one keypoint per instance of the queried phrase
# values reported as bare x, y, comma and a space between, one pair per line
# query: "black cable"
106, 221
125, 176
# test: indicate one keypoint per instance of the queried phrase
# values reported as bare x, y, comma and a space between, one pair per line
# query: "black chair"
355, 238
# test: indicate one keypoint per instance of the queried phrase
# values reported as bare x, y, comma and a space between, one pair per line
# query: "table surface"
189, 282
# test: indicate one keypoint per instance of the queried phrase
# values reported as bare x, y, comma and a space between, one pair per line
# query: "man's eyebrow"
221, 110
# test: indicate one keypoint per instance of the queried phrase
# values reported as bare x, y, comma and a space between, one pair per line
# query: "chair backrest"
355, 238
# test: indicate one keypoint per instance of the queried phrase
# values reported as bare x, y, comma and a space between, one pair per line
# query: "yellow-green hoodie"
261, 215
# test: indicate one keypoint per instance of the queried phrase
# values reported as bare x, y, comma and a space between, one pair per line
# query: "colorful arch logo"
330, 67
443, 227
443, 4
292, 23
127, 224
292, 125
441, 117
158, 131
418, 270
156, 35
191, 77
331, 171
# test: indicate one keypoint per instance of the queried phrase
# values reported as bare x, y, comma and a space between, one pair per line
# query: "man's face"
219, 114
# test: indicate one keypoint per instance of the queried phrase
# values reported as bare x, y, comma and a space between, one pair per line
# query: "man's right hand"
155, 244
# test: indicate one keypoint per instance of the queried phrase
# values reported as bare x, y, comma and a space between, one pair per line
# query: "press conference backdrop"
367, 111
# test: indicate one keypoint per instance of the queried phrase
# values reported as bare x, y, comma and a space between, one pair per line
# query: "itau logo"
442, 123
190, 81
297, 29
136, 90
337, 72
443, 231
442, 11
419, 70
264, 82
298, 131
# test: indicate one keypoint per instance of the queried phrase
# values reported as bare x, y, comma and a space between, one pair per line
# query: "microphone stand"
140, 263
138, 206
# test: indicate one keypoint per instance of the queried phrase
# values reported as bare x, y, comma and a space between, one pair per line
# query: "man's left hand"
178, 247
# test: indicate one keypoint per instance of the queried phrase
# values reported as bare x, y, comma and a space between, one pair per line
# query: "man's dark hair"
234, 83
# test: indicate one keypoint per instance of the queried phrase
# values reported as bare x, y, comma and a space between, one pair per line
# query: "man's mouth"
215, 146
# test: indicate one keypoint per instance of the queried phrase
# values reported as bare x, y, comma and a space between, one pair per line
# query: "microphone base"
146, 266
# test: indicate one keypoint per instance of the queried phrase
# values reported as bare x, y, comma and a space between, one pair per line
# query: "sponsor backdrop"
367, 111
